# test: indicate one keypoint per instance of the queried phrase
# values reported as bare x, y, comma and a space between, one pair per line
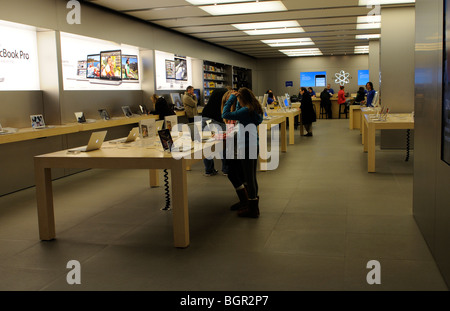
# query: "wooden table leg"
301, 124
154, 178
291, 130
262, 132
44, 200
351, 116
370, 142
283, 137
180, 204
364, 134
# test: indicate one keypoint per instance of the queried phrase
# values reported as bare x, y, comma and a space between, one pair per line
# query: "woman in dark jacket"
360, 96
308, 113
162, 108
325, 102
213, 112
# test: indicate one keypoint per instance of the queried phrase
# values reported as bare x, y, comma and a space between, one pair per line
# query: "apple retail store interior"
126, 166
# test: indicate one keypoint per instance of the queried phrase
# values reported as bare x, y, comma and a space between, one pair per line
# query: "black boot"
251, 210
243, 199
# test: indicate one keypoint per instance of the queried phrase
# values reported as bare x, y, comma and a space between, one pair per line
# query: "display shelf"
215, 76
24, 134
242, 77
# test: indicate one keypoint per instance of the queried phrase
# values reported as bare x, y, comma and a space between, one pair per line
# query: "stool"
323, 112
345, 110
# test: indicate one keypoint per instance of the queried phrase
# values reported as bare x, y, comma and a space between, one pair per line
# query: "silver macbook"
134, 133
95, 142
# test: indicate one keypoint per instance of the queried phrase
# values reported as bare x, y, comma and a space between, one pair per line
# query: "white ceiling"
331, 24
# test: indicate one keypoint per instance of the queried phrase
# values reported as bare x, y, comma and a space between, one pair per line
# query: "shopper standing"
190, 102
370, 94
213, 113
308, 113
242, 170
325, 102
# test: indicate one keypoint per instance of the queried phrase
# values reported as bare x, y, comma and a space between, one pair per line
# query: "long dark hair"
247, 99
371, 85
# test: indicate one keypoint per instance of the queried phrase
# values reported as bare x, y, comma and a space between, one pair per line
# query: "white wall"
273, 73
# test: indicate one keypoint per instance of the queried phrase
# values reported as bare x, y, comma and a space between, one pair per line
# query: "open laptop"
134, 133
95, 142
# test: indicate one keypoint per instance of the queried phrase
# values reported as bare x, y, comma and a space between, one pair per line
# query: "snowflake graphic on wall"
342, 77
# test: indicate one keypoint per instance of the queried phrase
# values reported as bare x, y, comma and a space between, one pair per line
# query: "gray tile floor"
323, 217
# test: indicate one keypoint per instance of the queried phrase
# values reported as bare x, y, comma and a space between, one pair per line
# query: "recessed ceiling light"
302, 52
361, 49
368, 22
244, 8
266, 25
270, 28
204, 2
288, 42
381, 2
373, 36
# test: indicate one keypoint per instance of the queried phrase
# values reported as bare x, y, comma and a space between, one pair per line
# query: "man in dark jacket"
308, 113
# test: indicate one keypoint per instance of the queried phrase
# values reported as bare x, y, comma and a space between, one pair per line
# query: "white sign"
172, 72
85, 60
19, 66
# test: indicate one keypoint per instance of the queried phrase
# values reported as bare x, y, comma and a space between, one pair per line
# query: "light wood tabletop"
119, 156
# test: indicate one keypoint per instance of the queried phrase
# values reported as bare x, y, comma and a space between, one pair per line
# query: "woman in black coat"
308, 113
325, 102
162, 108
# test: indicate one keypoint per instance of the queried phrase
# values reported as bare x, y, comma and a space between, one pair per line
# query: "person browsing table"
243, 166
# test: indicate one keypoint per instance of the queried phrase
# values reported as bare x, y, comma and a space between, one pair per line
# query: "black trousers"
243, 172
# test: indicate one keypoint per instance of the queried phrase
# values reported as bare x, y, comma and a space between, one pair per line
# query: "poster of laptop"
148, 128
130, 70
176, 101
170, 69
166, 139
127, 111
104, 114
181, 69
37, 121
111, 65
93, 66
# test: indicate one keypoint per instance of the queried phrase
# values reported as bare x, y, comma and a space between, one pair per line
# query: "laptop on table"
134, 133
95, 142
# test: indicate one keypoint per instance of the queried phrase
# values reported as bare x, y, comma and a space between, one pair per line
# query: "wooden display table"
109, 157
288, 113
365, 111
397, 121
262, 130
355, 117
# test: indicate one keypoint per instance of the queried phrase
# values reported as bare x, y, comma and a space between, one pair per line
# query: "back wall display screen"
96, 64
313, 79
111, 65
363, 77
